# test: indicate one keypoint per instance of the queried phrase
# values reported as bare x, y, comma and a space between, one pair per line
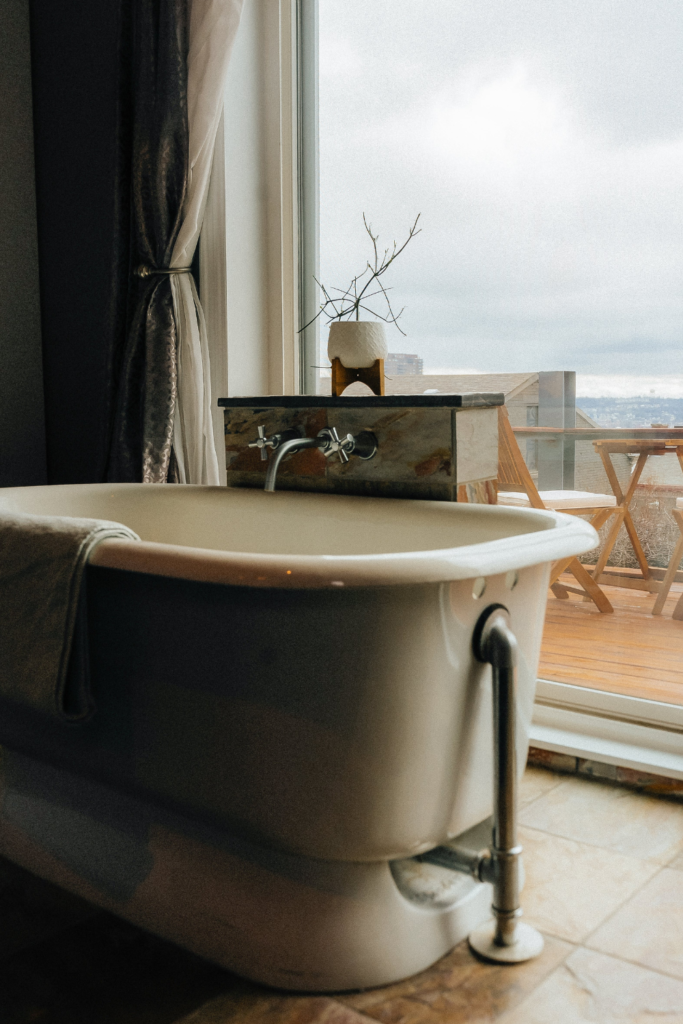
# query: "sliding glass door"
542, 145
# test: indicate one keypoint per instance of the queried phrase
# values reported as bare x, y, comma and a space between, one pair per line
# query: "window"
543, 146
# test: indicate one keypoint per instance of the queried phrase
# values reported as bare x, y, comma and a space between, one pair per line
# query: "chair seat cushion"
560, 499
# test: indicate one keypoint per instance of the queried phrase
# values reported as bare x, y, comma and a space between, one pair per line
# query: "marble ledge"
422, 452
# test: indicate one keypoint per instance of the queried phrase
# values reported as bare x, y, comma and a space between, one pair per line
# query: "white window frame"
272, 62
308, 195
608, 727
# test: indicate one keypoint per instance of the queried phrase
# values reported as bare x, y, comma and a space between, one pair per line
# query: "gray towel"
42, 560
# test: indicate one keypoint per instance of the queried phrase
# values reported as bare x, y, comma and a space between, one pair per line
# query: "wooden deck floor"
630, 652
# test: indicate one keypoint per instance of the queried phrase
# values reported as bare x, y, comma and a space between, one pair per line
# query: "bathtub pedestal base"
278, 918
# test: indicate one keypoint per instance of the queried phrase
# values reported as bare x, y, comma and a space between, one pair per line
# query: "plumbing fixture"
477, 863
505, 938
364, 445
295, 445
263, 443
336, 445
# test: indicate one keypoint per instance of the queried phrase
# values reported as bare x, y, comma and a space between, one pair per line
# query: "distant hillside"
638, 411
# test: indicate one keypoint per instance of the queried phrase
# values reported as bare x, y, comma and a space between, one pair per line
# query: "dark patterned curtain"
141, 447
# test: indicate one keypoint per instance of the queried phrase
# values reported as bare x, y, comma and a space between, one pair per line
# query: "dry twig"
349, 302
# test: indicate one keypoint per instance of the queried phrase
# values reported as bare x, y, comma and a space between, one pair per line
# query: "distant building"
521, 392
400, 364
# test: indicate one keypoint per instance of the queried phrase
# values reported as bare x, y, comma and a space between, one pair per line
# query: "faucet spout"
295, 444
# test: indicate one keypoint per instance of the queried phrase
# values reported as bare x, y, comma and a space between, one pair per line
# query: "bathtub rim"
568, 536
561, 536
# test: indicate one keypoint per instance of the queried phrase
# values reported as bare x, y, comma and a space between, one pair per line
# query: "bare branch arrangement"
347, 304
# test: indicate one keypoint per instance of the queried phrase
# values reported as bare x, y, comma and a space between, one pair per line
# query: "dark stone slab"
468, 400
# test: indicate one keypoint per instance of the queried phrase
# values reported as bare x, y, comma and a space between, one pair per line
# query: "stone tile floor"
604, 883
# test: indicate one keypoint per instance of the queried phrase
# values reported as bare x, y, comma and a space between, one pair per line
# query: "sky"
542, 143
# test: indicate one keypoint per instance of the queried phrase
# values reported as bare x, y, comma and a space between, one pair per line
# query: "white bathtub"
281, 676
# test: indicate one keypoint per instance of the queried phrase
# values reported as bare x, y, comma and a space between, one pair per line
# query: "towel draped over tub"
42, 562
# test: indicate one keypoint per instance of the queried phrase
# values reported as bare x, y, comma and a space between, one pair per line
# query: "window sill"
610, 728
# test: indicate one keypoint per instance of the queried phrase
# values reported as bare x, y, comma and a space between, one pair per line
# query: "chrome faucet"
363, 445
263, 443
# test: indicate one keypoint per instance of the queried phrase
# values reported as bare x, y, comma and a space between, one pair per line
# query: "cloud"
552, 218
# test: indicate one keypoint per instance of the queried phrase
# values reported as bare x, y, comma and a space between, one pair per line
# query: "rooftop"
460, 383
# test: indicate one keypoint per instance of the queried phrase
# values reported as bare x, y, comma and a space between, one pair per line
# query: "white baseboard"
610, 728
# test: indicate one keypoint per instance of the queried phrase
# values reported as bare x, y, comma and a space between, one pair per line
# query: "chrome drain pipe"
476, 863
505, 938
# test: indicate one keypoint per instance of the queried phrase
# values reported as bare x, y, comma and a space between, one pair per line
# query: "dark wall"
80, 97
22, 428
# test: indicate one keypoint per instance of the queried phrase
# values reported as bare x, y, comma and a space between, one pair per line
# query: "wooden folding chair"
673, 568
514, 480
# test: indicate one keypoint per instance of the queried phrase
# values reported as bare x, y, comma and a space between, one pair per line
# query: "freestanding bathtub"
288, 711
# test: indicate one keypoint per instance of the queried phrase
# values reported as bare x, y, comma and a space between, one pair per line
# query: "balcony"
630, 652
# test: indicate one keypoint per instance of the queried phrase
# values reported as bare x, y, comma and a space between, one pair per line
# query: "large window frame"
608, 727
308, 194
275, 71
250, 245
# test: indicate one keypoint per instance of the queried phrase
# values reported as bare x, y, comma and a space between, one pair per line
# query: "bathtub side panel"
341, 724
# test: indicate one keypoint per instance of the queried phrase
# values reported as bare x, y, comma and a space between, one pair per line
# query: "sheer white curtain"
213, 27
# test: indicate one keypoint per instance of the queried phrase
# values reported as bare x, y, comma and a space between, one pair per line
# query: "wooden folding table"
651, 577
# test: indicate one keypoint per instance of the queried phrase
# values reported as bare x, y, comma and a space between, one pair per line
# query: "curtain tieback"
144, 271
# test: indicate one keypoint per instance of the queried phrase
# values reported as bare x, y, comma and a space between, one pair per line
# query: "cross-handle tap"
364, 445
336, 445
263, 443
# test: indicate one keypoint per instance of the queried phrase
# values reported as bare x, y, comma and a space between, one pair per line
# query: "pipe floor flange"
529, 944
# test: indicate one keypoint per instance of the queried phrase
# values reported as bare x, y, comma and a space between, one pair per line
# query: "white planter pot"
357, 343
